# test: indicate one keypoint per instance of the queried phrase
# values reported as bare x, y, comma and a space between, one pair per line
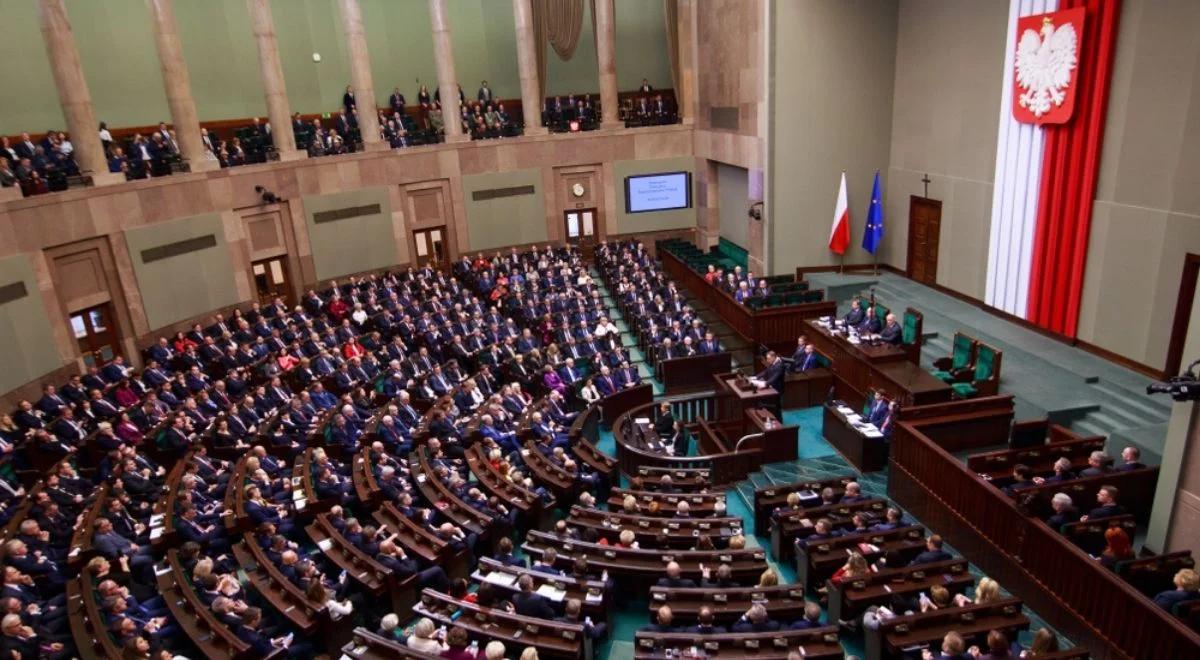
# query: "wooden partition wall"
763, 326
1073, 592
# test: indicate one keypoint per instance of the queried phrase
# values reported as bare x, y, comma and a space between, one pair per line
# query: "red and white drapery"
1046, 180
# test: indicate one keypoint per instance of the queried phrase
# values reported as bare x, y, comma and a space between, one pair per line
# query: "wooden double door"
924, 230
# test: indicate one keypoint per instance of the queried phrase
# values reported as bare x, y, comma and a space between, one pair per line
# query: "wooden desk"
366, 645
688, 374
866, 454
860, 368
734, 398
777, 443
784, 602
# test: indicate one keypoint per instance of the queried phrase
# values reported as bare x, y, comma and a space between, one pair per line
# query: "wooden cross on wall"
926, 181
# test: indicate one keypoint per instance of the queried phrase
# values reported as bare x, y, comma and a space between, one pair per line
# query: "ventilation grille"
346, 213
497, 193
178, 248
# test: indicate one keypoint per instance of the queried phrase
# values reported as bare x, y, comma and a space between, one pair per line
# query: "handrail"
738, 446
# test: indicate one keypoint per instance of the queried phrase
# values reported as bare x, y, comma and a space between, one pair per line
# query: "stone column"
178, 86
606, 55
443, 53
73, 92
685, 96
279, 111
531, 98
360, 76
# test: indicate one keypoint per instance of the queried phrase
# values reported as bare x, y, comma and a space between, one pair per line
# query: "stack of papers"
501, 578
552, 592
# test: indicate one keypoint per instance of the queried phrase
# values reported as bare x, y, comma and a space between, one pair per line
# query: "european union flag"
873, 234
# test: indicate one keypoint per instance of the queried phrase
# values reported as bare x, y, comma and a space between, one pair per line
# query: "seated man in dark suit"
891, 333
1130, 455
807, 359
662, 621
933, 552
705, 624
1187, 589
856, 315
530, 603
870, 324
673, 579
1097, 465
756, 619
811, 618
1106, 497
572, 614
1022, 479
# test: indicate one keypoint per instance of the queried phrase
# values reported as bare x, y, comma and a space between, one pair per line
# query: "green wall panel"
511, 220
24, 328
187, 285
351, 245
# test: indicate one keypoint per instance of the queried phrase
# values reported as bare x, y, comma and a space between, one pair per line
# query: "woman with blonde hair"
855, 567
987, 591
423, 637
769, 578
530, 653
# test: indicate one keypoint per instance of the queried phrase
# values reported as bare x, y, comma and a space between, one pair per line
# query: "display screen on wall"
658, 192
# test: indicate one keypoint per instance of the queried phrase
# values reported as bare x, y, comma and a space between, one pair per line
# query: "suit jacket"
533, 605
892, 334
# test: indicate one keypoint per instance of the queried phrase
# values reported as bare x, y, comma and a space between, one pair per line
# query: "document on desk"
501, 578
552, 592
758, 382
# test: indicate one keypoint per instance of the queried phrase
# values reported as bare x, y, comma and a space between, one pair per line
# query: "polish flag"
839, 234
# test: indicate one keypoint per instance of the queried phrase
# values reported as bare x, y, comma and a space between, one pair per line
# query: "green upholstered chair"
987, 374
912, 326
958, 365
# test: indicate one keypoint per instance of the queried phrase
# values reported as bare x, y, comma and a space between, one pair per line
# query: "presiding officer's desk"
861, 368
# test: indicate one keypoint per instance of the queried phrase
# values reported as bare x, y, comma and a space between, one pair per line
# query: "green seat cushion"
943, 375
964, 390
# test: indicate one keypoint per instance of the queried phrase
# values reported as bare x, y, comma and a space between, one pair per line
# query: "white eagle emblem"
1044, 66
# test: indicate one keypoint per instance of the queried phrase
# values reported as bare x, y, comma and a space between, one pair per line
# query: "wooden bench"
784, 603
534, 510
817, 561
1089, 535
209, 635
552, 639
700, 504
1155, 574
638, 564
375, 579
1040, 458
366, 645
895, 636
679, 532
285, 598
1136, 492
851, 598
800, 523
682, 480
811, 643
92, 640
592, 594
769, 498
420, 542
